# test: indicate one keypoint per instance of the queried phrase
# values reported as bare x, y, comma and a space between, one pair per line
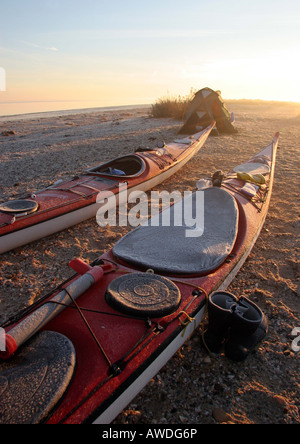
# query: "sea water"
37, 110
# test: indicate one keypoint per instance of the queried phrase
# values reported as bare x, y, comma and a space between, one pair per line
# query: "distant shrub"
174, 107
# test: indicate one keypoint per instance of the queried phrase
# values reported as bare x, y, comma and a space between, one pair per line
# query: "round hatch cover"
19, 206
143, 294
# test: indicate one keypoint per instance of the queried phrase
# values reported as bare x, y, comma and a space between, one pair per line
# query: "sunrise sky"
88, 53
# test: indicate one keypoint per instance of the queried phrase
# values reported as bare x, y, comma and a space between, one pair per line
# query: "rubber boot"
220, 309
249, 326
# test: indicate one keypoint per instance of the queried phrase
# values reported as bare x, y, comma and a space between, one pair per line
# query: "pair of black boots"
235, 325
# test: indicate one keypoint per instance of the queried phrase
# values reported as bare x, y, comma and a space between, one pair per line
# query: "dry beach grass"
191, 388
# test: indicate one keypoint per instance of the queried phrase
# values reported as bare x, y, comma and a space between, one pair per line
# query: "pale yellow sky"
122, 53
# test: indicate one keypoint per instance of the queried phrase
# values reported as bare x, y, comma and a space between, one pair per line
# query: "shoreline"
191, 388
74, 111
68, 112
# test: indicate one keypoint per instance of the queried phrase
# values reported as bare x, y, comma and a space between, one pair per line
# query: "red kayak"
84, 352
65, 204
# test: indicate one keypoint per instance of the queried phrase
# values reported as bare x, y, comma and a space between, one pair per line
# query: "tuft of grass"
174, 107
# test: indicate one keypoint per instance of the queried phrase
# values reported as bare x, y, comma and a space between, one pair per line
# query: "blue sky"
129, 52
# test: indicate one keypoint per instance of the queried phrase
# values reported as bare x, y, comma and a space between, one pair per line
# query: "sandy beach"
192, 388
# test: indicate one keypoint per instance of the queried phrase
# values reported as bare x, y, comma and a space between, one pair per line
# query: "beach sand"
192, 388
